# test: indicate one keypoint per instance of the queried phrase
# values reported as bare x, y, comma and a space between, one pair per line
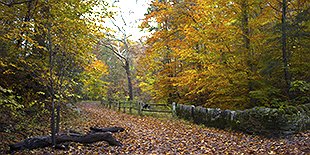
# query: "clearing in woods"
149, 135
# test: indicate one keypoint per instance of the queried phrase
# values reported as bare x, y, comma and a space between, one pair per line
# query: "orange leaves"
98, 67
219, 51
195, 50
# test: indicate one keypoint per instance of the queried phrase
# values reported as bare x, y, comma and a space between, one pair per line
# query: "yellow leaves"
96, 69
93, 80
199, 47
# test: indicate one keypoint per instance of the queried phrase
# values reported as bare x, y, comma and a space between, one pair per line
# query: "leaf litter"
149, 135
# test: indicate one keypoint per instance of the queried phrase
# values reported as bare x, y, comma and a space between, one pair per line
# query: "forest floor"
150, 135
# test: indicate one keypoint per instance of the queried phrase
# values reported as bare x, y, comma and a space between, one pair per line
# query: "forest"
228, 54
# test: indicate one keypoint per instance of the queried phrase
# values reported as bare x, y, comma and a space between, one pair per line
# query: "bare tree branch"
115, 51
124, 20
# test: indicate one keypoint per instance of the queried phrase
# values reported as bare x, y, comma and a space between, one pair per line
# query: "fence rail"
139, 107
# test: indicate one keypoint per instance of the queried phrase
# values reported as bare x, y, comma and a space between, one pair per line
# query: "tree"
46, 46
284, 49
121, 47
94, 85
215, 53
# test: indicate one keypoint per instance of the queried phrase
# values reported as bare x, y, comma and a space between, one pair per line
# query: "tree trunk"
284, 50
97, 134
128, 73
51, 81
246, 39
53, 130
111, 129
57, 117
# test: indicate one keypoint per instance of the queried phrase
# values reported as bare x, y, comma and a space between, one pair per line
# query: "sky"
133, 12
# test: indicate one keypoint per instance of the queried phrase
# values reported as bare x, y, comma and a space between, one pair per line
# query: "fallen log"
110, 129
44, 141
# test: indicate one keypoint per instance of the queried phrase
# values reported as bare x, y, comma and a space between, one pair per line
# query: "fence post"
192, 111
174, 109
139, 108
119, 105
130, 102
124, 107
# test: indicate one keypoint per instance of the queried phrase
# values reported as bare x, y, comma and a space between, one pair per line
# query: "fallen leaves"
148, 135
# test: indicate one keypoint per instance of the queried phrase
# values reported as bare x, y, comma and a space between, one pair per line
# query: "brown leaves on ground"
149, 135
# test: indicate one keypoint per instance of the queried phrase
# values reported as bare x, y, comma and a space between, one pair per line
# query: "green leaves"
9, 101
300, 86
94, 85
301, 91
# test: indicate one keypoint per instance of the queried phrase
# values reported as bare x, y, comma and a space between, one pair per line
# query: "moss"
291, 110
257, 120
183, 111
300, 109
305, 108
200, 115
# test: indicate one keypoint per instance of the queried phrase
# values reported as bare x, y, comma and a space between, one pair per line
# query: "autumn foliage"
224, 53
234, 55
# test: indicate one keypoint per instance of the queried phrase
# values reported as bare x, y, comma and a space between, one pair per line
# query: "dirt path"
148, 135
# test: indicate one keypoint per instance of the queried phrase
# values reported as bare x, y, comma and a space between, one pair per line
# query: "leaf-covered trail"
148, 135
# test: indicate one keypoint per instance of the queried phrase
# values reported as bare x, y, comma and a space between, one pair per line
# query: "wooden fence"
139, 107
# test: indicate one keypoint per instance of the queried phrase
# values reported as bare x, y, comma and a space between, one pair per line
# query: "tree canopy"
226, 53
